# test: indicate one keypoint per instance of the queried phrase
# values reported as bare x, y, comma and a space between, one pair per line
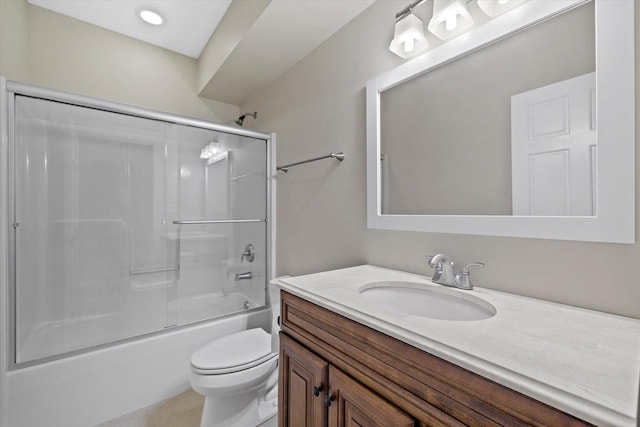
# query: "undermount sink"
418, 299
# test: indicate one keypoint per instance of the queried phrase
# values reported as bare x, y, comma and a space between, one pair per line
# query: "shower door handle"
215, 221
152, 271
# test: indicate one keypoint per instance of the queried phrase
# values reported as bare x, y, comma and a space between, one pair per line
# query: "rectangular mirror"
517, 128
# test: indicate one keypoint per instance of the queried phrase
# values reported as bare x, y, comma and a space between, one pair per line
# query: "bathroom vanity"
344, 360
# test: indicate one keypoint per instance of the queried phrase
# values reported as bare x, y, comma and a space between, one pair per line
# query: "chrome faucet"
243, 276
445, 272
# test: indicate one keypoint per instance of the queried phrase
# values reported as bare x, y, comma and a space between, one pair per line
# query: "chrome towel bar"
337, 156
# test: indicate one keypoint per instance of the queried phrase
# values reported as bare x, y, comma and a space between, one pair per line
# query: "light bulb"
409, 45
450, 22
151, 17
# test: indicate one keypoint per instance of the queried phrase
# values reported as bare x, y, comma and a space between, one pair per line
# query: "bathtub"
94, 387
82, 333
193, 308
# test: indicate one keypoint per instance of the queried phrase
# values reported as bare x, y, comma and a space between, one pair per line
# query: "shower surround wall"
110, 220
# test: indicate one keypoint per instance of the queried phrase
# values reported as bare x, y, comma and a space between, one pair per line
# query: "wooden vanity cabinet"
337, 372
317, 392
352, 404
301, 402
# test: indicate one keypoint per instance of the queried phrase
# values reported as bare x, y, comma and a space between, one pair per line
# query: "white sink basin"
418, 299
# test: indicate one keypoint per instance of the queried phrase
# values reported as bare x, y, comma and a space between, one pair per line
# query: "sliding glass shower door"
126, 225
217, 205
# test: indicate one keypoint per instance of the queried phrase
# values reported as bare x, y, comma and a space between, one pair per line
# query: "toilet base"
240, 410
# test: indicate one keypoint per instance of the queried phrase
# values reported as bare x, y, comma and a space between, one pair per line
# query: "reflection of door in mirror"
553, 148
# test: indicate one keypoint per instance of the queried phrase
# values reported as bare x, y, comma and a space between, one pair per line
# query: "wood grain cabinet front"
302, 386
352, 404
313, 393
336, 372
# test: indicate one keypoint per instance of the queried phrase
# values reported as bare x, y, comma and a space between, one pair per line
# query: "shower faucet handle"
249, 253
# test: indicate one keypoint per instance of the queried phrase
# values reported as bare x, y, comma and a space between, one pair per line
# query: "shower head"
244, 116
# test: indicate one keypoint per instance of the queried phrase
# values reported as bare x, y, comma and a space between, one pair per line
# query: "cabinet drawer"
432, 390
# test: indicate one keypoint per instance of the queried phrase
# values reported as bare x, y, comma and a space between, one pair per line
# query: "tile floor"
183, 410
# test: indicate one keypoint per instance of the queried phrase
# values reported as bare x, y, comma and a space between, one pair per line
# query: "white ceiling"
189, 23
284, 32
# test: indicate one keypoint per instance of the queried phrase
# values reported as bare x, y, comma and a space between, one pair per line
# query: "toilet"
238, 375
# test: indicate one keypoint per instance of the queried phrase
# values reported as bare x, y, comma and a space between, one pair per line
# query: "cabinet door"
303, 384
353, 405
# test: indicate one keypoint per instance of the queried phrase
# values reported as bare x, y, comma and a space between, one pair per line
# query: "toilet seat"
233, 353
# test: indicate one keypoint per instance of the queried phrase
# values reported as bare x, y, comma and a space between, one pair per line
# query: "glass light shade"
496, 7
450, 18
409, 39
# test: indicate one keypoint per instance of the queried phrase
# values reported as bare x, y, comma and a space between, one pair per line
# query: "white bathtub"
68, 335
91, 388
193, 308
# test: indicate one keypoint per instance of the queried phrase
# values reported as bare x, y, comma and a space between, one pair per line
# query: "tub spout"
243, 276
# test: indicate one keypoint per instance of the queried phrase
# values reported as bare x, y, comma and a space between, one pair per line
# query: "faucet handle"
249, 253
463, 280
437, 260
465, 270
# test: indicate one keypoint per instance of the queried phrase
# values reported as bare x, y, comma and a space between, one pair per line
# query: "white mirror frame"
615, 66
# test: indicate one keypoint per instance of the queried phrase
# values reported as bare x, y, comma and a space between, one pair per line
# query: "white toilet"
238, 375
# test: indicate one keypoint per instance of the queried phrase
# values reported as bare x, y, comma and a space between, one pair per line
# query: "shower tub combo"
133, 238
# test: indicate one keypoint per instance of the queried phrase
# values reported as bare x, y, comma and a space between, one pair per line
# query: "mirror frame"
615, 82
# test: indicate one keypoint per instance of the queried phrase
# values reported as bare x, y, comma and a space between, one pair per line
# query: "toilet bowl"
238, 375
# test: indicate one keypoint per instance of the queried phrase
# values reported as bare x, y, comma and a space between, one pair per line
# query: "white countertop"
584, 362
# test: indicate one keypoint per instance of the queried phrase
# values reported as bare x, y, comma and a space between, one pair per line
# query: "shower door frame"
8, 92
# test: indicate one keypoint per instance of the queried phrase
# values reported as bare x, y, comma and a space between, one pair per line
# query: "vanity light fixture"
450, 18
408, 39
494, 8
150, 16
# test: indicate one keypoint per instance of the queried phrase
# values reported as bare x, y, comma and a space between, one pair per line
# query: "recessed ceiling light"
151, 17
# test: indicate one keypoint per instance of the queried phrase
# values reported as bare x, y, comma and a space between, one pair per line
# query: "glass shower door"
217, 208
126, 226
92, 263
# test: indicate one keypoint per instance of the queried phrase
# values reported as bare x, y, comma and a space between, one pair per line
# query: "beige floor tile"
183, 410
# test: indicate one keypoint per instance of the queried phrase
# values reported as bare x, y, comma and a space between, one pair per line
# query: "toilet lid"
234, 352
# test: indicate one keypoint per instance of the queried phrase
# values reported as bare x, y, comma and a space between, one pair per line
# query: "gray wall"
318, 106
47, 49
